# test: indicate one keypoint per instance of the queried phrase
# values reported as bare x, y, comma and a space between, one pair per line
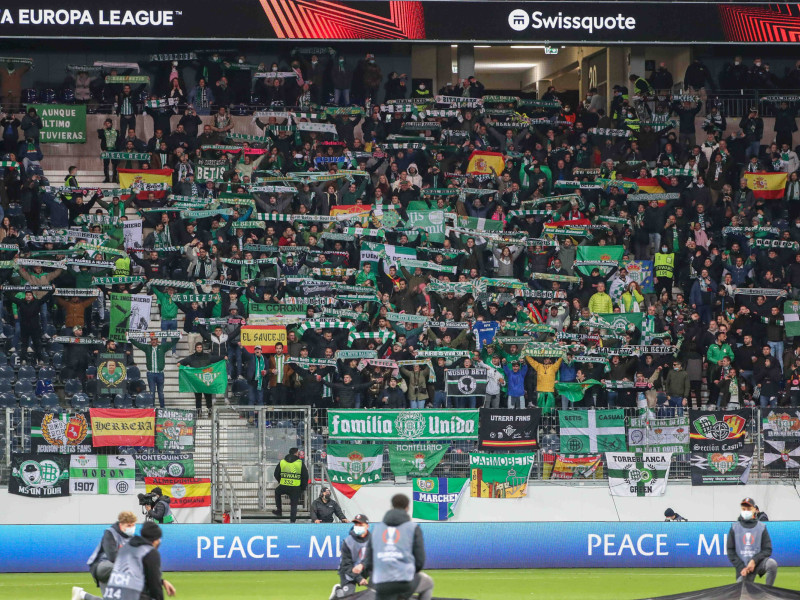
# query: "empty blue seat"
56, 348
47, 373
133, 373
144, 400
80, 401
72, 387
28, 401
24, 387
102, 402
50, 401
58, 361
121, 401
26, 373
8, 400
7, 372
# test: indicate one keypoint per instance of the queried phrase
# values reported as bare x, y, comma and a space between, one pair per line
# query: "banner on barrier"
403, 425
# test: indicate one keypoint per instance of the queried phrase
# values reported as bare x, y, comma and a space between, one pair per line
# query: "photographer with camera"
159, 509
101, 562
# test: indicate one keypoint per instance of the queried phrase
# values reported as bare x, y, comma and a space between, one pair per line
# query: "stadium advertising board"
426, 20
64, 548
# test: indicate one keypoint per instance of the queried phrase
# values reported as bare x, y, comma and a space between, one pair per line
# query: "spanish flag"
348, 489
768, 186
186, 492
144, 177
481, 163
123, 426
647, 185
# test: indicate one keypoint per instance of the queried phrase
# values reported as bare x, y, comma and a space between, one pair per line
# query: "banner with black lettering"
509, 428
466, 382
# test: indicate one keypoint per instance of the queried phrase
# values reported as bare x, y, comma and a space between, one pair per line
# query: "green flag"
639, 475
791, 317
602, 257
355, 463
621, 322
574, 390
435, 499
432, 221
165, 465
175, 430
591, 431
415, 460
63, 123
495, 475
212, 379
101, 474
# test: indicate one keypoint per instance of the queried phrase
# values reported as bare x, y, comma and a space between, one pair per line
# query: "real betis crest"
722, 462
419, 461
208, 376
356, 466
410, 424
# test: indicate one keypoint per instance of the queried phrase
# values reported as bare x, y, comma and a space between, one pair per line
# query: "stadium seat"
144, 400
28, 401
7, 372
72, 387
24, 387
47, 96
47, 373
3, 358
6, 386
133, 373
121, 401
56, 348
80, 401
26, 373
102, 402
136, 387
91, 372
58, 361
8, 400
50, 401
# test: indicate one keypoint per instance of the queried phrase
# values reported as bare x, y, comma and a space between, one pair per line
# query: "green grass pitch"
479, 584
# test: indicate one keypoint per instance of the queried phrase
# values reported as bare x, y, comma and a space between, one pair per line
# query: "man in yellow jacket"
546, 373
600, 302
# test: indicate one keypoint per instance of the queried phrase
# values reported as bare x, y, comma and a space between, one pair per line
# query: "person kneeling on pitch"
353, 549
101, 562
137, 570
750, 547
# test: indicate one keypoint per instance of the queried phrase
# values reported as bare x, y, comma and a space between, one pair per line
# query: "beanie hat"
151, 531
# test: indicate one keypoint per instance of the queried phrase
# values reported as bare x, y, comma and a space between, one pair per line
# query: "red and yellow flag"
481, 163
142, 177
647, 185
186, 492
123, 426
768, 186
350, 209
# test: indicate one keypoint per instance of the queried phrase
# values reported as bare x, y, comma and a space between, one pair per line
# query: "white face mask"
129, 530
359, 530
747, 515
758, 64
274, 68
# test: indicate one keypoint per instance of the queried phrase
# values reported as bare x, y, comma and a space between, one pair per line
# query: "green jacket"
155, 356
169, 310
716, 353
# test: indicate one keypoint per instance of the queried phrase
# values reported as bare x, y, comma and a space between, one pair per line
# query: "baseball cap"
669, 513
748, 502
360, 518
257, 348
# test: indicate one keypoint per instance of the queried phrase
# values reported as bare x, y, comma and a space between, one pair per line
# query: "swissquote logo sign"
520, 20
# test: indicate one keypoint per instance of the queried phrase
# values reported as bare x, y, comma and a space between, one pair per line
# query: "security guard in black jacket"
323, 508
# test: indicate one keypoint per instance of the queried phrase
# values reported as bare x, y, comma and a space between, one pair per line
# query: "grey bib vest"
358, 549
98, 553
127, 578
748, 541
392, 556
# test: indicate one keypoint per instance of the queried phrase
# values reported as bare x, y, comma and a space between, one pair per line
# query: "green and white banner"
164, 465
62, 123
435, 499
499, 475
175, 430
591, 431
411, 425
602, 257
641, 475
212, 379
669, 434
415, 460
791, 317
102, 474
129, 313
355, 464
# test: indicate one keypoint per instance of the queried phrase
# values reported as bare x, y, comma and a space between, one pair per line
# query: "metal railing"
229, 502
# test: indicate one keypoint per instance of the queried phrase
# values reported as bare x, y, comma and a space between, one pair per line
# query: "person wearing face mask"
101, 562
749, 546
324, 508
137, 570
395, 553
353, 550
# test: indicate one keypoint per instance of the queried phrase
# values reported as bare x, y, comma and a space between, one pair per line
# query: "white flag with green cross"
632, 474
592, 431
